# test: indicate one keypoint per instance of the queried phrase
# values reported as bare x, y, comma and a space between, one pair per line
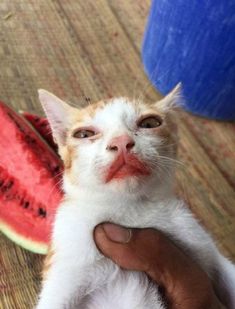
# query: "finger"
114, 242
146, 250
117, 233
150, 251
141, 249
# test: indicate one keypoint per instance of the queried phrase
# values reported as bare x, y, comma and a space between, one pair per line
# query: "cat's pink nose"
121, 143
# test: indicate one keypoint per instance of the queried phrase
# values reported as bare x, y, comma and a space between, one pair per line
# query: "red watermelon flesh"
30, 177
41, 125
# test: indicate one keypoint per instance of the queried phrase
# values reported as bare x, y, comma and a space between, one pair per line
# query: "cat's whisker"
162, 172
146, 86
81, 100
162, 146
167, 169
168, 159
134, 89
164, 167
60, 174
151, 77
55, 187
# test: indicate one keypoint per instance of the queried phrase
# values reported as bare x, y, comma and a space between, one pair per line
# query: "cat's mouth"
127, 165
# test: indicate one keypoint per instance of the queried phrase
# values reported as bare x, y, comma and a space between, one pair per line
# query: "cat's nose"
121, 143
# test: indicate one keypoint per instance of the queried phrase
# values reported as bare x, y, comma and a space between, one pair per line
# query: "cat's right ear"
58, 114
172, 100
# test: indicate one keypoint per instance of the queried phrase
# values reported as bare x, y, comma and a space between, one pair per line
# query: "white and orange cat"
119, 165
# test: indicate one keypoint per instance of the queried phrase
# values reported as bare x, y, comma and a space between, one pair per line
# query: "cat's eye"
83, 133
150, 122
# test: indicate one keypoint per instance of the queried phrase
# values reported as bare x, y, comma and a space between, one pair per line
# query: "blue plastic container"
193, 42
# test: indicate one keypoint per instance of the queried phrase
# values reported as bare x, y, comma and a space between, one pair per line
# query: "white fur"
80, 277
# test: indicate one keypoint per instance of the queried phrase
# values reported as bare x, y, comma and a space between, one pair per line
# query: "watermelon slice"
30, 177
41, 125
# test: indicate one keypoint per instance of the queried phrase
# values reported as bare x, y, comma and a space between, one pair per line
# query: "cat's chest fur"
77, 218
88, 210
73, 240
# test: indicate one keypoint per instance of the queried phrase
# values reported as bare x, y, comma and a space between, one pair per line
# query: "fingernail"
117, 233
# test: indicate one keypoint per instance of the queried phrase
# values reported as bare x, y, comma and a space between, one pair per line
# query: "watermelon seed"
45, 124
7, 186
16, 122
9, 197
10, 184
30, 139
4, 188
42, 212
19, 127
57, 169
26, 204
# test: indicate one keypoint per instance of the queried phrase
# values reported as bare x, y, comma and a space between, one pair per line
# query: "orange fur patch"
87, 113
77, 119
67, 156
47, 263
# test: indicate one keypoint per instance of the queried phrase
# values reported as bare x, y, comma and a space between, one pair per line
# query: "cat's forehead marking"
118, 108
88, 112
93, 108
106, 110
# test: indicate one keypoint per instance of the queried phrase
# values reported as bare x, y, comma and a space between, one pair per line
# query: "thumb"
134, 249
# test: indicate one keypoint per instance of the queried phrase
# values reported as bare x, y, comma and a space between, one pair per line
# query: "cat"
119, 157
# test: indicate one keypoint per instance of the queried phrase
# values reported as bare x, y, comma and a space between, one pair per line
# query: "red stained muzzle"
126, 165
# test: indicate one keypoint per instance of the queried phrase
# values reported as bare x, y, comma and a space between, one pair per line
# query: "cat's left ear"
172, 100
58, 114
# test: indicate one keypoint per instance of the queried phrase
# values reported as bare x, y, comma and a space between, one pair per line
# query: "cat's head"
114, 145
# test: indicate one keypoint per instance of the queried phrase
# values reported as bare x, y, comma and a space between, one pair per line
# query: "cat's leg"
128, 290
70, 276
77, 267
69, 282
59, 287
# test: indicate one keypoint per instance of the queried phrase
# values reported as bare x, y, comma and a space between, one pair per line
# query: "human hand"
186, 285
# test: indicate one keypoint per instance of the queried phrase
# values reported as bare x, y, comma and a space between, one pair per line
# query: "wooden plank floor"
79, 49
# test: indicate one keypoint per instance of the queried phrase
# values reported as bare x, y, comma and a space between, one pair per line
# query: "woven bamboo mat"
79, 49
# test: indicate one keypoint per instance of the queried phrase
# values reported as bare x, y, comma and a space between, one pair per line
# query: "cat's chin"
128, 185
132, 186
140, 187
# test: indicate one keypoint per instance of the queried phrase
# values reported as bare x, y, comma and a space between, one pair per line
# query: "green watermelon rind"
24, 242
9, 231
